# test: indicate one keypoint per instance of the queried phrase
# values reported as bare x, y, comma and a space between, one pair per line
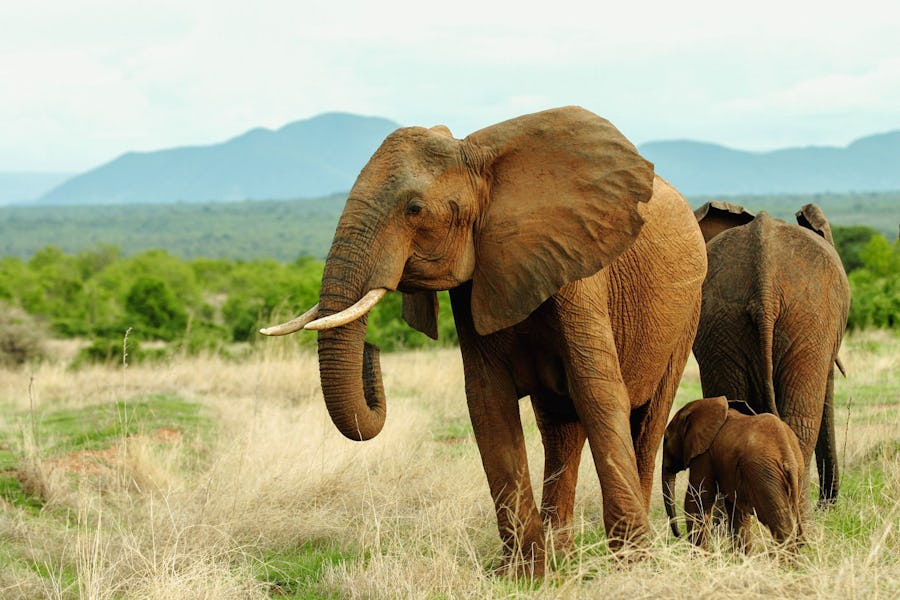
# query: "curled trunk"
349, 367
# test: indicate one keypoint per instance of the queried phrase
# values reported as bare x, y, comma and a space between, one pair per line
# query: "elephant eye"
413, 208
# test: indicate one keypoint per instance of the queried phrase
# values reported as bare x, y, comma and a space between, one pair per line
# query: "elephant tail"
764, 307
765, 317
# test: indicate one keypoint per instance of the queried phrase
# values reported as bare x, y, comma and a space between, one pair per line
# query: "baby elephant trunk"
668, 490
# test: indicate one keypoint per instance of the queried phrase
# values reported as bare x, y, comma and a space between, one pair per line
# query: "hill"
19, 187
308, 158
323, 155
867, 165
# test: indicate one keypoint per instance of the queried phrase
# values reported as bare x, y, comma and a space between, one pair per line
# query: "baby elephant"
753, 461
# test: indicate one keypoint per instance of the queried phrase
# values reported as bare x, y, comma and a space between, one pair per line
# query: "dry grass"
274, 502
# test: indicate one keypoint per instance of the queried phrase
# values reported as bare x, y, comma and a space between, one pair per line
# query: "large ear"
716, 216
420, 311
812, 217
564, 187
701, 423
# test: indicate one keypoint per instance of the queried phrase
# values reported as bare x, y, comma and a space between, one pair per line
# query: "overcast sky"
82, 81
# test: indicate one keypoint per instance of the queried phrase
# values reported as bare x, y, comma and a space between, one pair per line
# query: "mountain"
20, 187
308, 158
323, 155
869, 164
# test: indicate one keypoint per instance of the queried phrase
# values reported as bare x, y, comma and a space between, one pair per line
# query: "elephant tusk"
292, 325
349, 314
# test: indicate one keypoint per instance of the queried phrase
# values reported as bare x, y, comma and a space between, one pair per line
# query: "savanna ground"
206, 478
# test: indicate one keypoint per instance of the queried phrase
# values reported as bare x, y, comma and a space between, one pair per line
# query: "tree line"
170, 304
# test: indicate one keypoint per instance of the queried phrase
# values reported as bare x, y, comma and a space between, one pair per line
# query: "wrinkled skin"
754, 462
775, 304
575, 278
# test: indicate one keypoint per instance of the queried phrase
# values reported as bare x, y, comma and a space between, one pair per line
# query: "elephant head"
716, 216
812, 217
689, 434
520, 209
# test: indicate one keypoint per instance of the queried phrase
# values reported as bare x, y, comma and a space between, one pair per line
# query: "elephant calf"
753, 461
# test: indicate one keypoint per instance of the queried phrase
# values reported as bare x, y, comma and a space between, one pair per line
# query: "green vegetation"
875, 286
232, 268
279, 229
168, 305
286, 229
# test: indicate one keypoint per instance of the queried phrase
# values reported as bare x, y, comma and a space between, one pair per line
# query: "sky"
83, 81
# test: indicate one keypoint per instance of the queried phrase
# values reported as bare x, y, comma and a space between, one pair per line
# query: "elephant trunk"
668, 491
349, 367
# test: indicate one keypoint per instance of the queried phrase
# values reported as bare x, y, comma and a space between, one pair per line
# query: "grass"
202, 478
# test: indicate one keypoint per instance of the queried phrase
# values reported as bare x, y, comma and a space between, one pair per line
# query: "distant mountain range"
323, 155
869, 164
303, 159
20, 187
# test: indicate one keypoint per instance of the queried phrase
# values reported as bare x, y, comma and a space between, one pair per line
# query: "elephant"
753, 461
775, 305
574, 275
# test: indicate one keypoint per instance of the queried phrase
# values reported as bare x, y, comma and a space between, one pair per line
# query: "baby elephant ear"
716, 216
563, 192
812, 217
702, 421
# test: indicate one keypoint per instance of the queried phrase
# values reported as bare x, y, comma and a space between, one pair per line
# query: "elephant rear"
775, 305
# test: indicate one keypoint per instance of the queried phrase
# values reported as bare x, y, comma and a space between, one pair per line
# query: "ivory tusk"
292, 325
349, 314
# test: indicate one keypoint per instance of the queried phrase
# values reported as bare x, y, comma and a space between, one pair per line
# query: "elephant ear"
564, 189
716, 216
702, 421
420, 311
812, 217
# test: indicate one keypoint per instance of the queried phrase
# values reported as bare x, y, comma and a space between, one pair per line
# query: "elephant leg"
648, 423
601, 401
698, 505
826, 450
563, 438
494, 412
804, 418
498, 432
738, 522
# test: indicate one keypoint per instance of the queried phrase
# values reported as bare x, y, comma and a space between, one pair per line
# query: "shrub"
21, 337
875, 287
152, 304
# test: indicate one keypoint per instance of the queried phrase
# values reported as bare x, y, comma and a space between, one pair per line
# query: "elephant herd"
581, 279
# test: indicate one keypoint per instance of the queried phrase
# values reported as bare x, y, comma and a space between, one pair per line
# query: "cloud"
86, 81
874, 89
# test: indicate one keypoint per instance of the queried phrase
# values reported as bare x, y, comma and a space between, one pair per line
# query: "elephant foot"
561, 539
523, 565
628, 539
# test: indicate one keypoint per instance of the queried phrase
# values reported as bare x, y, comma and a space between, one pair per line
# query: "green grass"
58, 432
99, 426
296, 573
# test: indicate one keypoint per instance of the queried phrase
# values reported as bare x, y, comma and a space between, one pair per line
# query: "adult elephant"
775, 304
575, 279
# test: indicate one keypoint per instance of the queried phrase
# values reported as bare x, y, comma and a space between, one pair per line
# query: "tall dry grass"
406, 515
